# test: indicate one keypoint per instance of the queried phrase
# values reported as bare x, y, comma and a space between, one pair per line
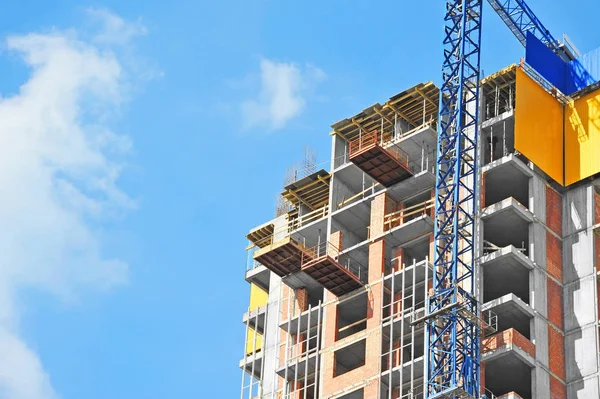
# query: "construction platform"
324, 266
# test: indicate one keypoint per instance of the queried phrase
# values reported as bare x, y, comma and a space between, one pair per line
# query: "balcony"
512, 312
505, 271
385, 163
338, 273
279, 245
507, 223
509, 358
411, 220
282, 257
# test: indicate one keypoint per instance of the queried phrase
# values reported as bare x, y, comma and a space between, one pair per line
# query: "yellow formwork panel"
582, 137
539, 127
258, 297
251, 345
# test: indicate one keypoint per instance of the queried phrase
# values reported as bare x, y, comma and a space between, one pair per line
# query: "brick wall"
554, 256
556, 350
398, 260
301, 300
331, 384
558, 390
378, 209
554, 210
507, 337
555, 303
597, 250
482, 378
335, 239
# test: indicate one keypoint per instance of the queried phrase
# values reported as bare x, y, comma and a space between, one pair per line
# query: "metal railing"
383, 140
418, 165
292, 225
403, 215
359, 196
344, 260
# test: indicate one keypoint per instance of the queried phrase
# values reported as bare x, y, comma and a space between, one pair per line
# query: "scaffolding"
404, 292
298, 367
252, 363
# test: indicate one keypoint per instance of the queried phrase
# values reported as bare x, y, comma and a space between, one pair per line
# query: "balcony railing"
344, 260
292, 225
404, 215
368, 140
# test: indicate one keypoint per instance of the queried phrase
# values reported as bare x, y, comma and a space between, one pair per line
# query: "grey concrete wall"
339, 151
537, 198
271, 337
580, 298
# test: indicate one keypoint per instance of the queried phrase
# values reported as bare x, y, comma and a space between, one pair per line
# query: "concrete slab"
412, 144
253, 364
510, 164
508, 256
507, 355
402, 323
355, 218
511, 312
507, 177
509, 369
397, 236
303, 365
506, 271
352, 177
417, 184
419, 269
256, 319
301, 280
506, 223
259, 275
409, 231
506, 116
409, 369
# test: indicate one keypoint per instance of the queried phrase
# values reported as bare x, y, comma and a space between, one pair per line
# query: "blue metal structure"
453, 329
519, 18
453, 322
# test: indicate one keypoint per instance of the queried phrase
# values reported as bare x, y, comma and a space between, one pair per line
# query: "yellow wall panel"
582, 137
251, 346
258, 297
539, 127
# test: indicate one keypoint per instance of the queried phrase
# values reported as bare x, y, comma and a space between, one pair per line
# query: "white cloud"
60, 162
282, 95
114, 29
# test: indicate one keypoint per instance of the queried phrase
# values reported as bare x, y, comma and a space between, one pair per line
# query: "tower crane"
453, 321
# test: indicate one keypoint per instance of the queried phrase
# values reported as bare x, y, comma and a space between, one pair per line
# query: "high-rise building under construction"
339, 279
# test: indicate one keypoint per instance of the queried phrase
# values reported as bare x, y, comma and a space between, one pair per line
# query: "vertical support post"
318, 357
244, 373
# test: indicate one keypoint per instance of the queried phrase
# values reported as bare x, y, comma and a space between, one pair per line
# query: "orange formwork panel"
582, 137
539, 127
387, 165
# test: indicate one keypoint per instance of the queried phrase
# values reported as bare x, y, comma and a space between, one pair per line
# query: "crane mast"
453, 313
453, 330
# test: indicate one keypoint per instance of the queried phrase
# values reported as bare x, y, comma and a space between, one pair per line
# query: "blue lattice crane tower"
453, 314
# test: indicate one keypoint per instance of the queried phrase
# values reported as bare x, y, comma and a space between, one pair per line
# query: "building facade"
339, 281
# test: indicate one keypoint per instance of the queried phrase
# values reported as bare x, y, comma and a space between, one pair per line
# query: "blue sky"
153, 171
